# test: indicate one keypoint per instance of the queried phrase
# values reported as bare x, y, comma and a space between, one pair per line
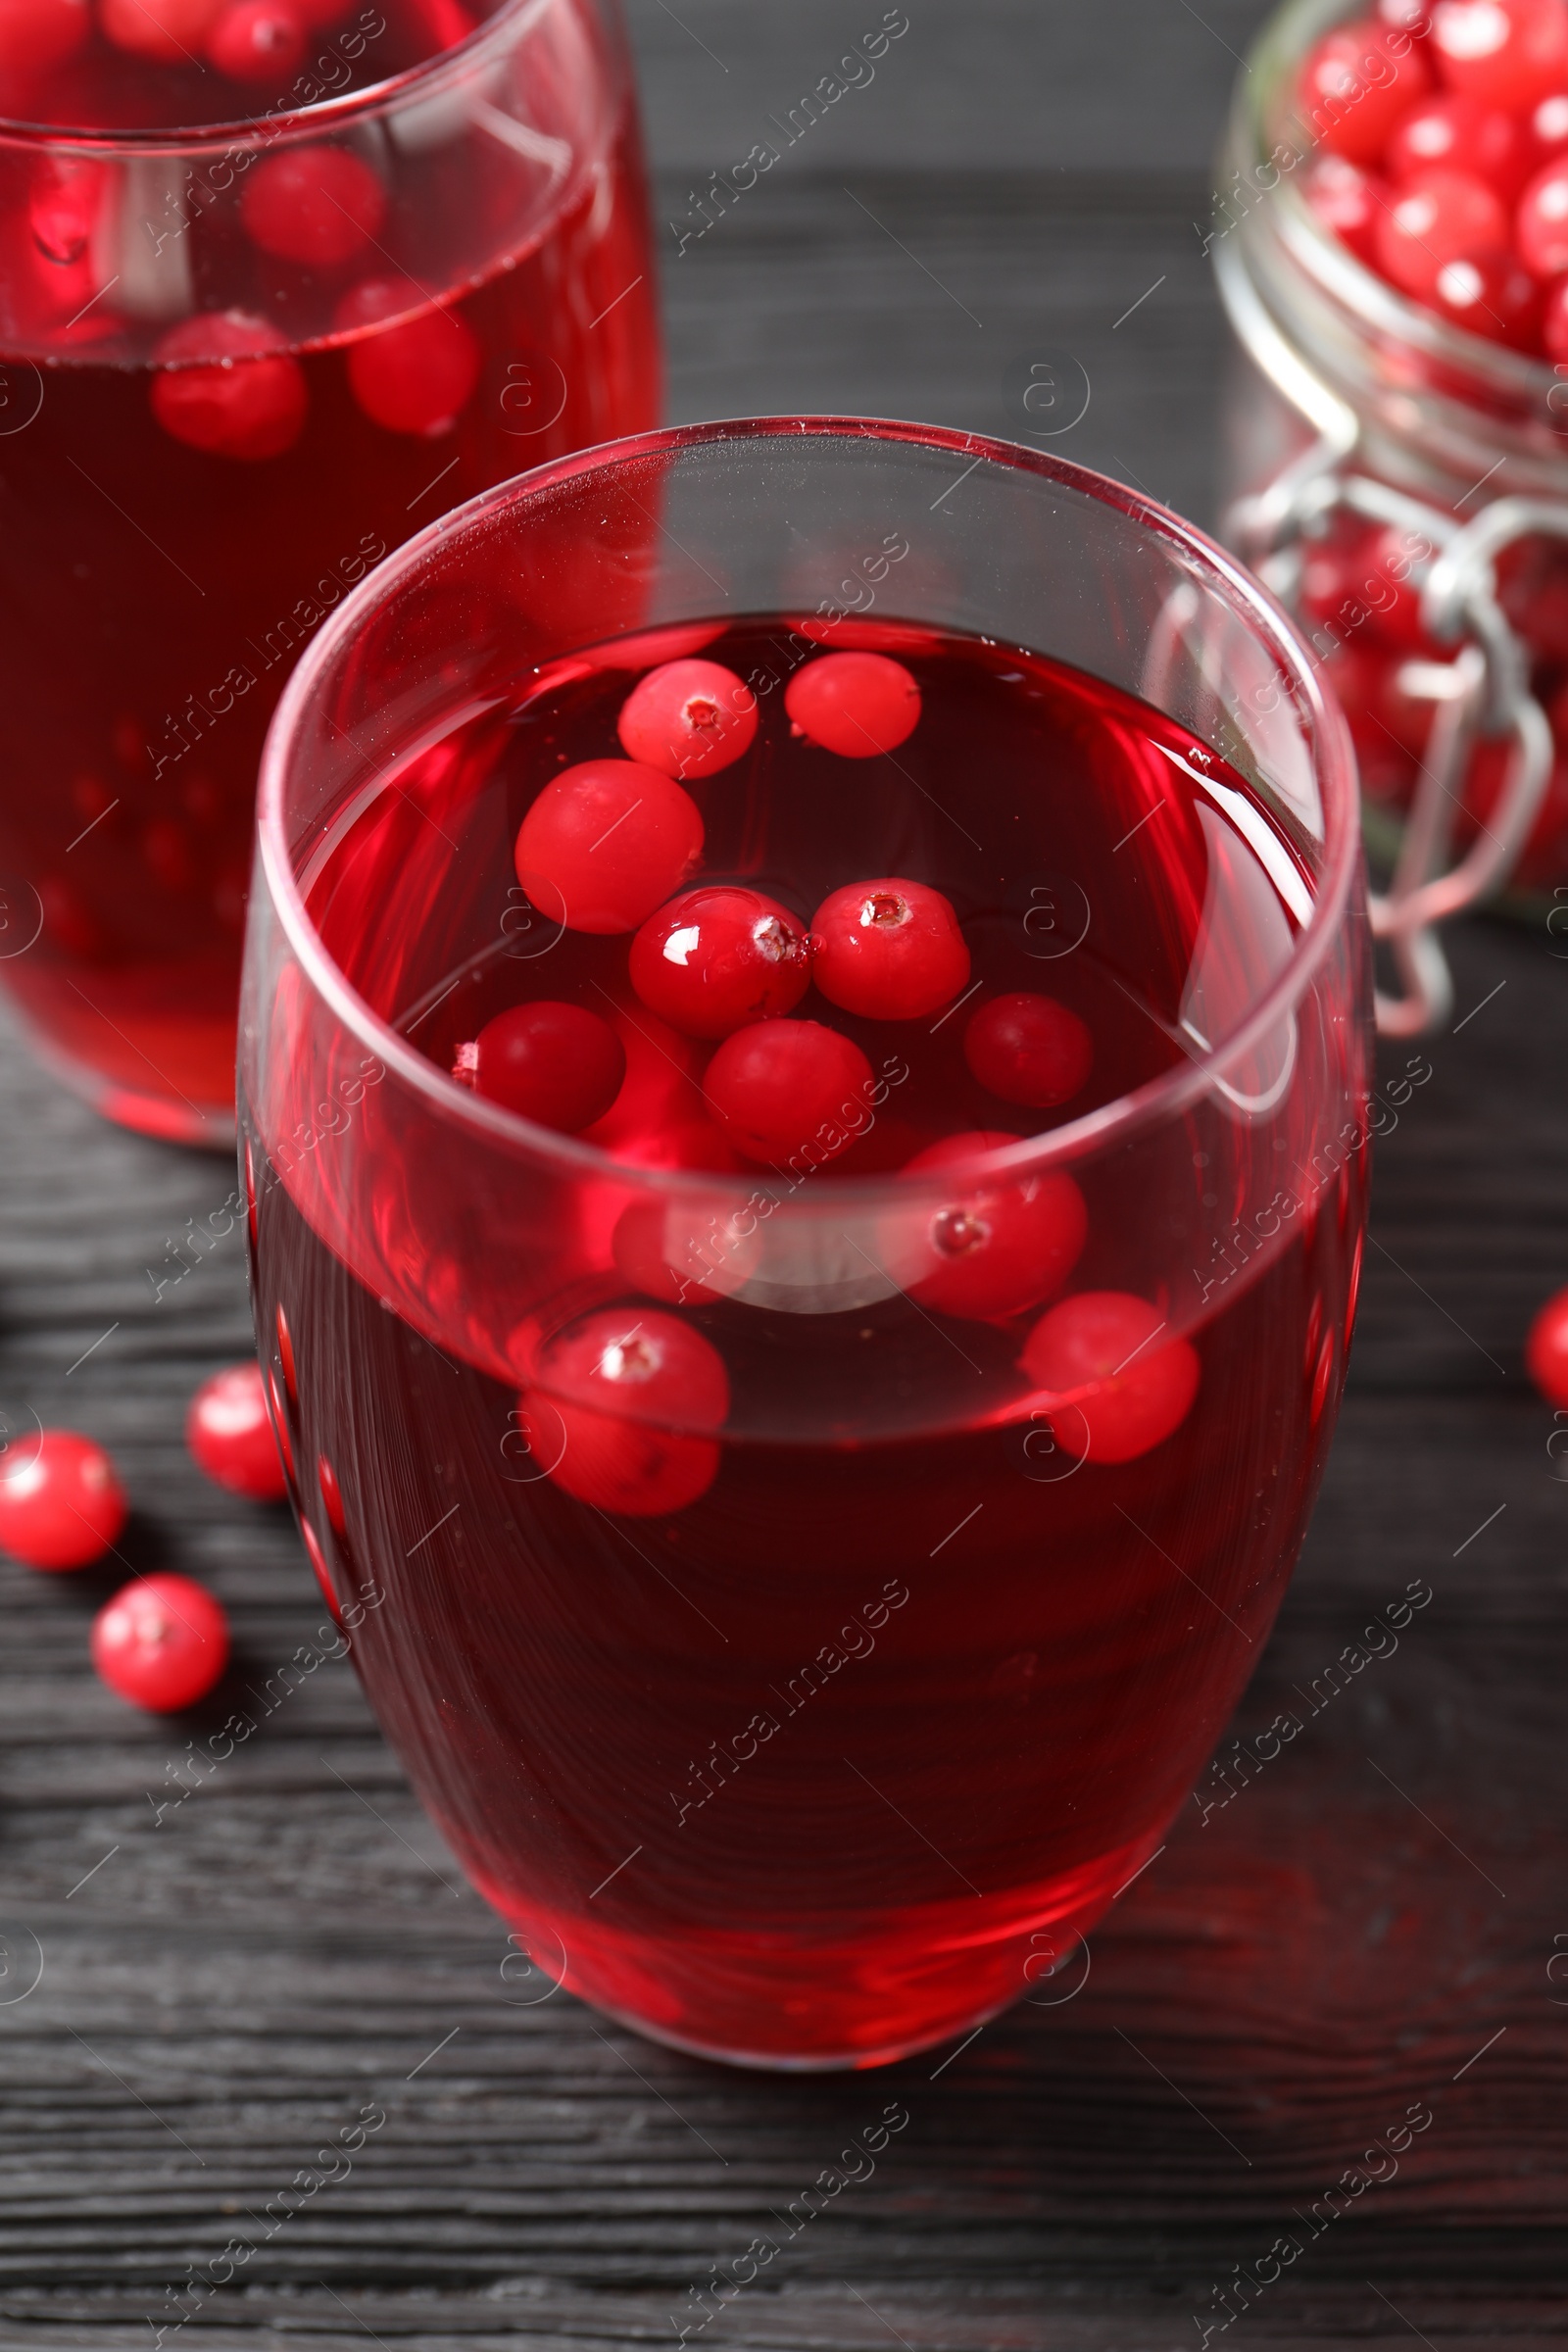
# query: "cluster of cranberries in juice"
234, 378
786, 1747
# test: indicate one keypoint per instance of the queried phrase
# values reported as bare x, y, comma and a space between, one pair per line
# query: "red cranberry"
858, 704
721, 957
681, 1254
688, 719
249, 402
777, 1087
1549, 126
1355, 89
61, 1503
66, 203
623, 1405
1368, 579
891, 950
1029, 1049
258, 40
1123, 1391
413, 376
1003, 1246
160, 1643
230, 1434
1541, 226
314, 205
35, 34
1508, 52
172, 31
606, 843
1547, 1350
1491, 295
1439, 217
1461, 135
1348, 200
558, 1064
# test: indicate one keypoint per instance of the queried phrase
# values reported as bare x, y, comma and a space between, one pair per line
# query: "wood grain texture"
230, 1986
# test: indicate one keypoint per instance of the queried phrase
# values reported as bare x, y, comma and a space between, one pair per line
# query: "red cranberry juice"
180, 513
832, 1745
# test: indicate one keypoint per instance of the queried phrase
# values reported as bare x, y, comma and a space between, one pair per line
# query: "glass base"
794, 2003
145, 1107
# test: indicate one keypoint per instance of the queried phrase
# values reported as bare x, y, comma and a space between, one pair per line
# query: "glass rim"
1372, 303
511, 20
1157, 1099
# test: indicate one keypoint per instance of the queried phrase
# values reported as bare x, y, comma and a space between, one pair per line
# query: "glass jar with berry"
1391, 237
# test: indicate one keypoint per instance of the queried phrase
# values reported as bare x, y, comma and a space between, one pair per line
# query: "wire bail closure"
1483, 691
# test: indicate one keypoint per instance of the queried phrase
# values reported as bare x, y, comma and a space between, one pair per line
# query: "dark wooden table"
1369, 1926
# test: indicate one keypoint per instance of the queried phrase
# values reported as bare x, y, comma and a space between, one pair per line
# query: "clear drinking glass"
238, 363
808, 1712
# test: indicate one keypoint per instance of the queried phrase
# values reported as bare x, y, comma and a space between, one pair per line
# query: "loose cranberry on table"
999, 1245
314, 205
858, 704
688, 719
1511, 53
1547, 1350
230, 385
1028, 1050
61, 1503
1355, 89
772, 1089
606, 843
230, 1434
418, 374
621, 1410
1123, 1389
719, 956
162, 1643
559, 1066
890, 949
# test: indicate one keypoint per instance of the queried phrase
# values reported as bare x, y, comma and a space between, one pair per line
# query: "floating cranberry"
1348, 200
1029, 1049
891, 950
64, 207
160, 1643
1439, 217
781, 1085
623, 1403
413, 376
1355, 89
682, 1256
230, 1435
688, 719
1491, 295
1541, 225
719, 956
858, 704
1547, 1350
258, 41
1463, 134
1004, 1244
61, 1503
35, 34
1122, 1388
249, 401
169, 30
606, 843
558, 1064
1508, 52
315, 205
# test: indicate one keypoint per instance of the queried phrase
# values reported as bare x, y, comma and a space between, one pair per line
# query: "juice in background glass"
243, 359
784, 1706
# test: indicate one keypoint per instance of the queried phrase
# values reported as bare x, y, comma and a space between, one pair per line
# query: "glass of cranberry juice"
804, 1081
280, 280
